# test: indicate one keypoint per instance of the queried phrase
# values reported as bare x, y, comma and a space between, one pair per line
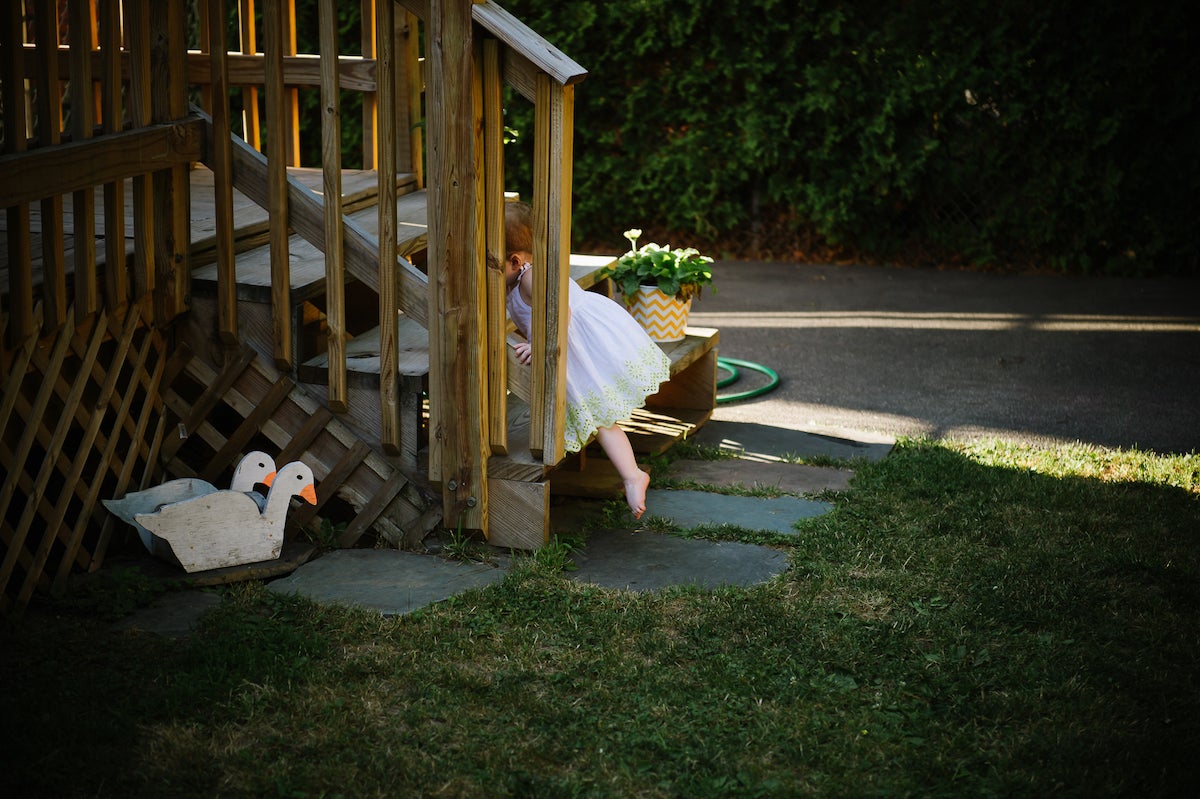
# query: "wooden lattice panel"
94, 412
81, 420
216, 414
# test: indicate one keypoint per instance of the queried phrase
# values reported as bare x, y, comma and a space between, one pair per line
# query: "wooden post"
222, 167
416, 89
331, 166
49, 113
137, 36
497, 312
82, 119
116, 267
370, 101
20, 279
456, 307
277, 187
290, 105
389, 378
168, 102
249, 46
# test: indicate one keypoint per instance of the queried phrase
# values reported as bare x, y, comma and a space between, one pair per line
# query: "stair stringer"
223, 409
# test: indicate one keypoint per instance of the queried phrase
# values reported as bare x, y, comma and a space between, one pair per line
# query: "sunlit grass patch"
968, 619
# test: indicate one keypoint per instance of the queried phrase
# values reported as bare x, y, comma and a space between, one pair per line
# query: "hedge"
1055, 133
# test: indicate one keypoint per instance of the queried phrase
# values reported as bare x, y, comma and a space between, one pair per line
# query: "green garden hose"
731, 365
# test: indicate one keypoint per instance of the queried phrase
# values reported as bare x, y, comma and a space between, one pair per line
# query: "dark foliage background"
1058, 133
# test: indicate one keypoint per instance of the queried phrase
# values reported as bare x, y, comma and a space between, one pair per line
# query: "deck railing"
124, 115
471, 367
96, 111
469, 374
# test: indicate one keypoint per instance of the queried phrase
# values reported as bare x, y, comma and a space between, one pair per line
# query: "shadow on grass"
967, 621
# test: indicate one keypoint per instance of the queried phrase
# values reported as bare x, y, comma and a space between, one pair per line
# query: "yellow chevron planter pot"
664, 318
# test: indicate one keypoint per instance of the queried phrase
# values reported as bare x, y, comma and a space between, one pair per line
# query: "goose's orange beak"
270, 478
309, 493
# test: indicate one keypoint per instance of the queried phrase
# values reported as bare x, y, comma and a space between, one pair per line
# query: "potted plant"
658, 284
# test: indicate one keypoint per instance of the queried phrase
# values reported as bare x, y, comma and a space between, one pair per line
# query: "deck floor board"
358, 194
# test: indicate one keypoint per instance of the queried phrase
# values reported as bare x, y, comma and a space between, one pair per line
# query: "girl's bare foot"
635, 493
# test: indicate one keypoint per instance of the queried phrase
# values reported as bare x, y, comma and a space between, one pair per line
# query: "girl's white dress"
612, 365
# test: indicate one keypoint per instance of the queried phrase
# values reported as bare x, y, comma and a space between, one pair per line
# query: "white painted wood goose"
226, 528
256, 467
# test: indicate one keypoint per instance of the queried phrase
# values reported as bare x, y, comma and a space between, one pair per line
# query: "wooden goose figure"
226, 528
256, 467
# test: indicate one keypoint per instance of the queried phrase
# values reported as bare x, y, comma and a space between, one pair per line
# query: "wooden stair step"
362, 352
362, 356
307, 263
360, 188
247, 391
520, 487
682, 405
251, 224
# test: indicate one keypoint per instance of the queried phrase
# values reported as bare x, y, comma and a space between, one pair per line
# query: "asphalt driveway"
876, 351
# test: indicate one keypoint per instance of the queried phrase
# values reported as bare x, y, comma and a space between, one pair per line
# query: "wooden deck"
359, 189
519, 484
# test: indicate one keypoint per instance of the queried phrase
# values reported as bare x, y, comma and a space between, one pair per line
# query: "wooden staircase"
143, 283
520, 485
307, 300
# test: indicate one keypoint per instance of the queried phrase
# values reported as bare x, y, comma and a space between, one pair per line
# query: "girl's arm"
525, 286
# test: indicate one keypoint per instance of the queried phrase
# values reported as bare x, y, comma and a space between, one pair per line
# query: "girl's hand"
523, 352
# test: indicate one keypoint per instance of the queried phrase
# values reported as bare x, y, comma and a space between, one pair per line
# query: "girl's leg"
616, 446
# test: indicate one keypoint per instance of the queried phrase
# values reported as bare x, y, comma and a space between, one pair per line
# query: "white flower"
632, 234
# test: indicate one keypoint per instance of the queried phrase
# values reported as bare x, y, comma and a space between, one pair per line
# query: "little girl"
612, 365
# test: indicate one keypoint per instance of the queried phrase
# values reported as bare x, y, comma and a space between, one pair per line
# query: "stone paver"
793, 478
761, 442
695, 508
386, 580
627, 560
394, 582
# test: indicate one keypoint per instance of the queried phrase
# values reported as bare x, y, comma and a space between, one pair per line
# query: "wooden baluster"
20, 278
222, 167
497, 312
389, 379
415, 81
331, 161
558, 258
249, 45
548, 400
277, 202
49, 134
116, 266
82, 119
137, 44
168, 102
290, 99
204, 23
370, 100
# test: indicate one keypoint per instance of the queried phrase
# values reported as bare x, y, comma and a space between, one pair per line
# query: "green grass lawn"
970, 620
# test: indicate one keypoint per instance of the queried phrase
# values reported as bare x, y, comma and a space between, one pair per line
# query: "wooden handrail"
52, 171
545, 76
307, 219
245, 69
522, 40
